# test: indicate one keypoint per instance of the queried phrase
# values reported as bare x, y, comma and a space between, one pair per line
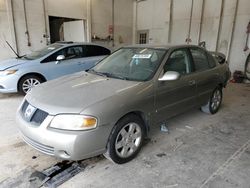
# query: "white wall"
98, 14
35, 21
101, 11
65, 8
153, 15
5, 31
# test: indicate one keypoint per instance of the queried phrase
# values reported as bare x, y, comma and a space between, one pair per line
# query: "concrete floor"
200, 151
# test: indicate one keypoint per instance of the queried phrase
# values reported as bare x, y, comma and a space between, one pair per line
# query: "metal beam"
113, 22
220, 24
170, 23
188, 40
232, 30
11, 18
201, 21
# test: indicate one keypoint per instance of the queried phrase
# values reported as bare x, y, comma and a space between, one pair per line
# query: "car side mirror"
59, 58
170, 76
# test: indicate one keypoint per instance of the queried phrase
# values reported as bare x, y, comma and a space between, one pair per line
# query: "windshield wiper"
107, 74
116, 76
98, 73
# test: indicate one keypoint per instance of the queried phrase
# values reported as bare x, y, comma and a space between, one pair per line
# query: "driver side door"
174, 97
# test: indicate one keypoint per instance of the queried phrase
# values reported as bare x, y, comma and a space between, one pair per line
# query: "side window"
200, 59
178, 61
211, 60
73, 52
92, 50
69, 53
53, 57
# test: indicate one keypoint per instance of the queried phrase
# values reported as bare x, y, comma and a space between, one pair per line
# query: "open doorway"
67, 29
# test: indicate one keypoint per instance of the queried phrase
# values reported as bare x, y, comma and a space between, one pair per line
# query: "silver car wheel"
29, 84
216, 100
128, 140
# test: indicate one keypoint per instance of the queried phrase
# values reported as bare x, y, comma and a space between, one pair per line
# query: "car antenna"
12, 49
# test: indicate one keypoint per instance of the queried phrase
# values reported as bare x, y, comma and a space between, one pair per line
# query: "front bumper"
8, 84
68, 145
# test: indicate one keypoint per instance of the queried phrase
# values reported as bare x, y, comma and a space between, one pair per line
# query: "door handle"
192, 82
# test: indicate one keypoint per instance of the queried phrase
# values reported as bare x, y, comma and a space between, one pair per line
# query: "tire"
214, 102
126, 139
26, 83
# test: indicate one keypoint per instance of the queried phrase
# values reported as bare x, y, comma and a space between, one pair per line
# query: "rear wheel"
28, 82
214, 102
126, 139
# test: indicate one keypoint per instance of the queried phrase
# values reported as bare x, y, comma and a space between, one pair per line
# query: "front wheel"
126, 139
28, 82
214, 102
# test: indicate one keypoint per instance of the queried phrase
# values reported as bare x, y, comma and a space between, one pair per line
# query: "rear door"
174, 97
206, 76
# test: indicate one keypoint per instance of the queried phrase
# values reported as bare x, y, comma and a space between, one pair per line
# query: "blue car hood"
6, 64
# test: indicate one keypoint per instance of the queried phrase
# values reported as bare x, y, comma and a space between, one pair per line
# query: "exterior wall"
153, 15
97, 14
101, 13
35, 22
5, 30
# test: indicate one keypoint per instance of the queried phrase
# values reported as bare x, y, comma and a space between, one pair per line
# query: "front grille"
38, 117
40, 147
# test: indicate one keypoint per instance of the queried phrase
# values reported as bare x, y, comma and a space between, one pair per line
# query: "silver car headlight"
7, 72
73, 122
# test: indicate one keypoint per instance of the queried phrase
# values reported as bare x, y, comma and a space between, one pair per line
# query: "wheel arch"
140, 114
28, 74
221, 85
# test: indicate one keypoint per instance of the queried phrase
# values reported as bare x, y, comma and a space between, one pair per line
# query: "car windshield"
40, 53
136, 64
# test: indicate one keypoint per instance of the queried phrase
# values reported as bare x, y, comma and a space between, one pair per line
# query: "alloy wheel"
128, 140
29, 83
216, 100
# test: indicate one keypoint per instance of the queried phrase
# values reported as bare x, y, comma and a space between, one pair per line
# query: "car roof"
70, 43
155, 46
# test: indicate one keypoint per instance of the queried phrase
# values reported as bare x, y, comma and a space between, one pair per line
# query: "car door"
72, 63
205, 74
174, 97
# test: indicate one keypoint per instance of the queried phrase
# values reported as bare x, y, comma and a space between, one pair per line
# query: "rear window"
94, 50
200, 59
211, 60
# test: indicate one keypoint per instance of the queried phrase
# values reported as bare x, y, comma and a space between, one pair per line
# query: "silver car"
59, 59
111, 108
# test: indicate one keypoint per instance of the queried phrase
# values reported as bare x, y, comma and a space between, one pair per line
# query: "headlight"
73, 122
7, 72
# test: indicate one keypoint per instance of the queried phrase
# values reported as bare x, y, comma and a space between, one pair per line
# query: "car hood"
74, 93
6, 64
